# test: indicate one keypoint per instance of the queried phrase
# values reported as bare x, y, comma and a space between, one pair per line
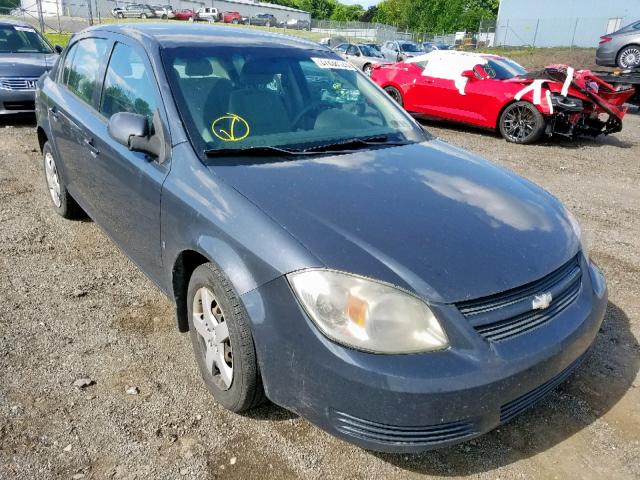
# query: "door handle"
88, 142
53, 113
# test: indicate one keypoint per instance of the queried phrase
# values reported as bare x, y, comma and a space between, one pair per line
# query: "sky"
364, 3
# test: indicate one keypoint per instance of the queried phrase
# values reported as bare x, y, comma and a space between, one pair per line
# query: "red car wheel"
395, 94
521, 122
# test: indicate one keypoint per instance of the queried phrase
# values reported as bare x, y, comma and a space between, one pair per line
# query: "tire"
521, 122
62, 202
268, 24
235, 21
143, 16
367, 69
164, 16
237, 352
120, 16
394, 93
629, 57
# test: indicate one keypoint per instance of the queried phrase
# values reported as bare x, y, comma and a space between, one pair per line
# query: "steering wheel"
307, 110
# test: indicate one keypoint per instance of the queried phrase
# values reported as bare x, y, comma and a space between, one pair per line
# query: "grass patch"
58, 38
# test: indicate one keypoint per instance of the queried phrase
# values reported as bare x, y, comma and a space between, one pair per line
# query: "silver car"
399, 51
362, 57
620, 48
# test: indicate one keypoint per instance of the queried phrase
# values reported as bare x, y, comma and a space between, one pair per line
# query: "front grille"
520, 404
26, 105
18, 84
505, 315
413, 436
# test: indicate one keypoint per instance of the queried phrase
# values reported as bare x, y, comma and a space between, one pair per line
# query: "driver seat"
262, 108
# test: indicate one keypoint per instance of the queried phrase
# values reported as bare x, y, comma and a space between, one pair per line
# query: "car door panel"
119, 174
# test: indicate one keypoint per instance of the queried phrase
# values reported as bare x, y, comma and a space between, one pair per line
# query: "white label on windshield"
331, 63
23, 29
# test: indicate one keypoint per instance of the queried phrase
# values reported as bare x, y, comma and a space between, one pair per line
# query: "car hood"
25, 64
428, 217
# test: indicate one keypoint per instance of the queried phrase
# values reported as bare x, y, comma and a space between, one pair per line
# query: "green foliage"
346, 13
433, 16
7, 5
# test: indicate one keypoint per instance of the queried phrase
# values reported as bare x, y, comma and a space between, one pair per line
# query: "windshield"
410, 47
247, 97
368, 51
19, 39
503, 69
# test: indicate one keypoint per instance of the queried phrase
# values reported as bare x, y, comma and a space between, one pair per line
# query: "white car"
208, 14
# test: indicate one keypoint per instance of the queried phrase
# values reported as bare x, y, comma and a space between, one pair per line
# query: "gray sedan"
362, 57
24, 56
620, 48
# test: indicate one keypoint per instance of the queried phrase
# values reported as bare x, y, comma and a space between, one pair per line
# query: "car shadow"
18, 120
592, 391
554, 141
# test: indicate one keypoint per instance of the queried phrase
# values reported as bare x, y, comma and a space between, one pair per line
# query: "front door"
129, 184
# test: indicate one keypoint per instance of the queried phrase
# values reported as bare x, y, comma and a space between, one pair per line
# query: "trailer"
622, 80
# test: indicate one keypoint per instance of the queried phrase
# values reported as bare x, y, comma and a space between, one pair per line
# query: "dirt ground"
73, 306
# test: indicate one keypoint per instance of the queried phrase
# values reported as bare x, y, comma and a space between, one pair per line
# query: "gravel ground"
74, 307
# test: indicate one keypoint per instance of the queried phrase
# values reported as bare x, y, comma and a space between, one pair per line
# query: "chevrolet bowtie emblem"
542, 301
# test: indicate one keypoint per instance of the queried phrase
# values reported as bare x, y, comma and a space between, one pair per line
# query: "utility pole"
40, 15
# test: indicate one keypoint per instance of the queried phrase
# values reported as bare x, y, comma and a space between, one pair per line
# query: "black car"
263, 20
24, 56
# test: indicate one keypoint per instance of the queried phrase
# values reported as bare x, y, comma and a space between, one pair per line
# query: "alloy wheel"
519, 122
630, 57
53, 181
209, 322
367, 70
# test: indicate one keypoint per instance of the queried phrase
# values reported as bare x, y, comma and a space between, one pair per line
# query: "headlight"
367, 315
577, 230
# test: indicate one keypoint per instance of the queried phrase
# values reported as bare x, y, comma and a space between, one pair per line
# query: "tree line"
416, 15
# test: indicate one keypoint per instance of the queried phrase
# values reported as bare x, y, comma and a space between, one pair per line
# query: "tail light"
605, 39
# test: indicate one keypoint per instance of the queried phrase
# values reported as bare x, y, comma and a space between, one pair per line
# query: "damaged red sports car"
495, 92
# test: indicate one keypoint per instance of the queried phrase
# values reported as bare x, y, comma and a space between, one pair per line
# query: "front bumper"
412, 403
17, 101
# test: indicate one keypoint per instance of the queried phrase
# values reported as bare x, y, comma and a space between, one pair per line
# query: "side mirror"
58, 49
480, 72
469, 74
132, 131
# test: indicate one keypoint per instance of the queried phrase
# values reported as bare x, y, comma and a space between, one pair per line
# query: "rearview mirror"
132, 131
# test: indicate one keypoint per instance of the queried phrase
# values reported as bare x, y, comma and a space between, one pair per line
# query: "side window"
352, 50
128, 85
66, 68
82, 76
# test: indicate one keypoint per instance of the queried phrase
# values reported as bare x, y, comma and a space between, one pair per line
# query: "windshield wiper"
251, 152
354, 143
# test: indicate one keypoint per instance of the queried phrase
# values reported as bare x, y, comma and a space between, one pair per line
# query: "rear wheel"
395, 94
521, 122
222, 340
143, 15
120, 15
63, 202
367, 69
629, 57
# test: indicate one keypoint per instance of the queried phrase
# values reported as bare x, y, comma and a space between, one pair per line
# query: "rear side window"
81, 77
128, 85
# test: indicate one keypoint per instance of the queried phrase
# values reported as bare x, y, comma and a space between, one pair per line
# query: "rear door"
127, 184
74, 110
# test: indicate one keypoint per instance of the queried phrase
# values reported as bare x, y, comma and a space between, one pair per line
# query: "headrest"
198, 67
260, 70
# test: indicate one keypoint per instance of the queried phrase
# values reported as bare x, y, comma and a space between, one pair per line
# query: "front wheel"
143, 15
222, 340
521, 122
234, 21
629, 57
395, 94
120, 15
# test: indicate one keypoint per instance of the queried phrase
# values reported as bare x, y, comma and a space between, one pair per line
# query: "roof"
189, 34
15, 23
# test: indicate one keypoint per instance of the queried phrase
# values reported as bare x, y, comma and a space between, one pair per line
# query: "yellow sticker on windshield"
230, 128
